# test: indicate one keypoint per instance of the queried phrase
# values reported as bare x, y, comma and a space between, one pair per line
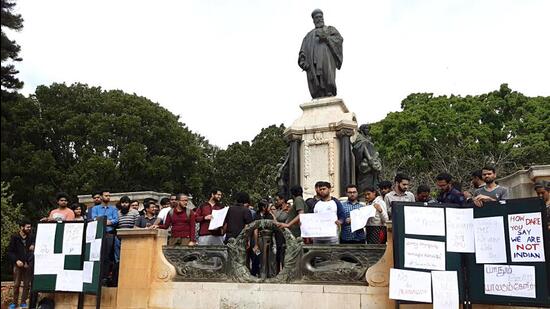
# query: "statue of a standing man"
320, 55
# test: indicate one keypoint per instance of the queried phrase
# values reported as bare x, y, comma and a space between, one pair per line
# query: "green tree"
11, 214
78, 138
10, 49
460, 134
251, 166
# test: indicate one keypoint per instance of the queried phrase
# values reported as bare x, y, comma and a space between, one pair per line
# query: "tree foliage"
78, 139
251, 166
9, 49
460, 134
11, 214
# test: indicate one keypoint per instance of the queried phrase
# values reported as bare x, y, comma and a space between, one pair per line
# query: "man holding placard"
348, 236
204, 217
328, 204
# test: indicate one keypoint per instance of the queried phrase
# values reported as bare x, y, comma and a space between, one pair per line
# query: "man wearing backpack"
182, 220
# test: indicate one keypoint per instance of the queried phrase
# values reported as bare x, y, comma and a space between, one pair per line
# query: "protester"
163, 212
447, 193
79, 212
310, 202
298, 207
385, 187
476, 182
110, 212
182, 221
327, 203
491, 191
20, 254
376, 226
282, 208
400, 192
204, 215
543, 191
347, 236
134, 205
62, 212
127, 215
238, 216
262, 245
150, 216
423, 195
164, 203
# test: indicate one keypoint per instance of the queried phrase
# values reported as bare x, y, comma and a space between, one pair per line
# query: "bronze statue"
320, 55
367, 160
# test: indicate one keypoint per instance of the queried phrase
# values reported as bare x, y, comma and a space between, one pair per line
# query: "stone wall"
522, 183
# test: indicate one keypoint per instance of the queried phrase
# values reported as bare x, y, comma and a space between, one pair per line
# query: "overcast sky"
229, 68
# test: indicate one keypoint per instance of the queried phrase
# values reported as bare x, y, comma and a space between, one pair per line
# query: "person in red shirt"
204, 215
182, 221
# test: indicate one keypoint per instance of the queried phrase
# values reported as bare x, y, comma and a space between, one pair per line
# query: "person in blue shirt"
448, 194
347, 236
111, 213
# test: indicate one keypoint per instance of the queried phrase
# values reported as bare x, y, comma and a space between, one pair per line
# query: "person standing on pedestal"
320, 56
204, 215
327, 203
400, 192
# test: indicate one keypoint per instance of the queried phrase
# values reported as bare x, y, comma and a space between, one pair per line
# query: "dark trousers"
352, 242
107, 255
21, 274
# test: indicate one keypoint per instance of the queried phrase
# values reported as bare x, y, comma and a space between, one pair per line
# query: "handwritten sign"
424, 221
410, 285
424, 254
359, 217
460, 230
445, 290
88, 272
510, 280
69, 281
526, 240
45, 236
48, 264
489, 240
72, 238
218, 217
95, 250
320, 224
91, 230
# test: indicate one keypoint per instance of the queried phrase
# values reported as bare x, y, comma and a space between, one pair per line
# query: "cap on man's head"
315, 12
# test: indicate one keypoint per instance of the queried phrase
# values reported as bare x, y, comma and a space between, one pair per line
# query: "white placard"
88, 272
91, 230
460, 229
526, 240
95, 250
218, 217
320, 224
410, 285
445, 289
510, 280
360, 216
45, 238
72, 238
489, 240
69, 281
424, 254
424, 221
48, 264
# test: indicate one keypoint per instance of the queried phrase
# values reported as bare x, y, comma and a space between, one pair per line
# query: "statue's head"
364, 129
318, 20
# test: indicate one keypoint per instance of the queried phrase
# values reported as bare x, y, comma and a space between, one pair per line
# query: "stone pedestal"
321, 139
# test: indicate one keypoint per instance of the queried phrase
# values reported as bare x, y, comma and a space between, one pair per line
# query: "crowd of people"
189, 225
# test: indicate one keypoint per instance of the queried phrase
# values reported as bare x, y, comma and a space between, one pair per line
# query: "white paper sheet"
95, 250
424, 221
318, 225
72, 238
48, 264
510, 280
445, 289
218, 217
69, 281
359, 217
460, 230
410, 285
88, 272
91, 230
45, 238
424, 254
526, 239
489, 240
